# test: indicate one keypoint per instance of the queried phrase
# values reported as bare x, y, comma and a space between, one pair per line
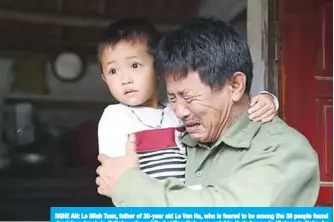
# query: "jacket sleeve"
284, 175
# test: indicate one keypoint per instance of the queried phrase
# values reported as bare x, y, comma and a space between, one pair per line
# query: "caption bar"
190, 214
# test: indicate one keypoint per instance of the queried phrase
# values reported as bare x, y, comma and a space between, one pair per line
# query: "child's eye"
135, 65
112, 71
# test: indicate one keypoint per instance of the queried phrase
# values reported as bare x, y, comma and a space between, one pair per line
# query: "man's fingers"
98, 170
102, 184
101, 158
98, 181
100, 190
101, 171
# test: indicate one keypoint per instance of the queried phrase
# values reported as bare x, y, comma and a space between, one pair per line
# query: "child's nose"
126, 79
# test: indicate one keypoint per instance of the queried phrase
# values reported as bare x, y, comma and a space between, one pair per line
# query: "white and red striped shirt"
160, 153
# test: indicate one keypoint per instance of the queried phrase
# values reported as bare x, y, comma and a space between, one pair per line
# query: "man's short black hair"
130, 30
208, 46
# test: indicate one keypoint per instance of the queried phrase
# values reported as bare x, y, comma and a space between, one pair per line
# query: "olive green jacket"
252, 164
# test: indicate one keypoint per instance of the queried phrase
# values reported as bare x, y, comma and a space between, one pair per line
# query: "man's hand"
111, 169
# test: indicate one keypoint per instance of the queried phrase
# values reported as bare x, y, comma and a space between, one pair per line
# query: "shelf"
51, 101
48, 98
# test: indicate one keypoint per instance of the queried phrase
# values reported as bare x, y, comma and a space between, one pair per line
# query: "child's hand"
262, 108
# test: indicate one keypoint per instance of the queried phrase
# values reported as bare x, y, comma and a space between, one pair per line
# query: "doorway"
306, 79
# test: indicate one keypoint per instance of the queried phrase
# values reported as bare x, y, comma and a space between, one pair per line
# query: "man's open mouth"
192, 125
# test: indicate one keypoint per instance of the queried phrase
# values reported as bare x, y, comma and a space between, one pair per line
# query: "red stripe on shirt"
155, 139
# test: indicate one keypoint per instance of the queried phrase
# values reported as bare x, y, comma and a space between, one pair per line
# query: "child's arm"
263, 107
113, 131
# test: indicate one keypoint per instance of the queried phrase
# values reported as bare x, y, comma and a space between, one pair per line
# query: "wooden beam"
65, 20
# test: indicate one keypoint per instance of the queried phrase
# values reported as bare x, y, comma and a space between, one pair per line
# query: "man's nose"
181, 110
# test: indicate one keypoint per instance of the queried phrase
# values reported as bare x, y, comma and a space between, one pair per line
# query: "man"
232, 161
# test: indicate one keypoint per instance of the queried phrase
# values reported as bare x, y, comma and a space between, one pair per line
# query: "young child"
126, 54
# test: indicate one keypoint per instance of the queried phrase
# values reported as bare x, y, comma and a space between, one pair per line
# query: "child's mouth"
129, 92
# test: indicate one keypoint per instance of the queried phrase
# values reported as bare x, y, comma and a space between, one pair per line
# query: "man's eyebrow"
182, 93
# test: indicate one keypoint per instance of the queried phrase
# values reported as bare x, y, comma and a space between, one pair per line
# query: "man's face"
203, 110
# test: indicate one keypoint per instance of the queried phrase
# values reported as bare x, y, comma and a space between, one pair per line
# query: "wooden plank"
63, 20
32, 6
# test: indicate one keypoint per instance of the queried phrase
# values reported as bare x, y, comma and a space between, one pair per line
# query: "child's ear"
102, 76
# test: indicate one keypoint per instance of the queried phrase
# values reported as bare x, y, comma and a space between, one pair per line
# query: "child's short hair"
129, 30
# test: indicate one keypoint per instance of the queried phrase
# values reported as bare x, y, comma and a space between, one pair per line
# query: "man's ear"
237, 85
102, 76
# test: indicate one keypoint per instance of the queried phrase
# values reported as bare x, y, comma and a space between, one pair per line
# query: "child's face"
129, 73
